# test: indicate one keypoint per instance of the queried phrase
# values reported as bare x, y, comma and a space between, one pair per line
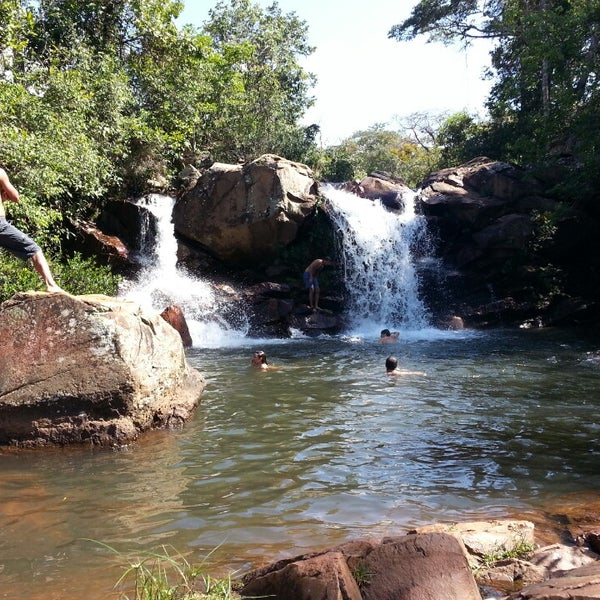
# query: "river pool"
325, 449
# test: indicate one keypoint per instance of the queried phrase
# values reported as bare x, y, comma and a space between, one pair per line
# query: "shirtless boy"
388, 337
311, 283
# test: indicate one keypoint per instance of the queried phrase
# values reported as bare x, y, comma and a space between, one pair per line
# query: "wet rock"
174, 316
321, 577
577, 584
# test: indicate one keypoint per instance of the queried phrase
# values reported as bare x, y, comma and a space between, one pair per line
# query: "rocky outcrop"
411, 567
578, 584
509, 246
89, 369
91, 241
246, 213
175, 317
131, 222
377, 186
459, 561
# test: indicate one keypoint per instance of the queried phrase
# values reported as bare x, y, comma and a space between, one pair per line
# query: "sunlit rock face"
245, 213
89, 369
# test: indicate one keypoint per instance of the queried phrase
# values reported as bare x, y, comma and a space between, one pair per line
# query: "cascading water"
377, 249
161, 283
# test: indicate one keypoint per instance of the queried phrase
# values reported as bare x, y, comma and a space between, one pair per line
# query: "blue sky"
365, 78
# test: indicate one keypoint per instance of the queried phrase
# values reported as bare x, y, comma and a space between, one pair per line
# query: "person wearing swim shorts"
15, 241
311, 283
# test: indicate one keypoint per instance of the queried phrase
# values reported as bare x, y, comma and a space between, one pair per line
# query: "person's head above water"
388, 337
259, 358
391, 363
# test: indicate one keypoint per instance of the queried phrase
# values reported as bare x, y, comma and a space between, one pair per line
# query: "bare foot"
55, 289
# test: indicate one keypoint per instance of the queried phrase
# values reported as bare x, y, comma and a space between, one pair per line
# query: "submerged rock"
89, 369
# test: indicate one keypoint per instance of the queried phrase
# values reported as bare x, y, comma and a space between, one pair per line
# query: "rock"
174, 316
322, 577
109, 249
486, 538
245, 213
429, 566
389, 191
500, 227
320, 320
578, 584
89, 369
557, 559
132, 223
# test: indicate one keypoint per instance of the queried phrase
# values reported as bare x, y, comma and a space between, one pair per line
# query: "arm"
9, 191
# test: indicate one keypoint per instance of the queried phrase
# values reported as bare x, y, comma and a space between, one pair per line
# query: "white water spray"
377, 246
161, 284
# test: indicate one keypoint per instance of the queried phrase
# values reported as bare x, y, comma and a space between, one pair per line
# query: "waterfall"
378, 246
160, 284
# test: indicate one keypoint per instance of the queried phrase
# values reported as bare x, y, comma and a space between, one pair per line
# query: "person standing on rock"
17, 242
311, 283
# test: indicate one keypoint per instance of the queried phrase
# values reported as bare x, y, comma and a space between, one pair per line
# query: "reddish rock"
322, 577
428, 566
174, 316
89, 369
578, 584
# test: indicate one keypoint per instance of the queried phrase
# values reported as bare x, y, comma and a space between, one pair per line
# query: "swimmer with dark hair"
391, 368
259, 361
388, 337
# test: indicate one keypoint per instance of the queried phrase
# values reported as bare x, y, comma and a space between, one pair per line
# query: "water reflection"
325, 449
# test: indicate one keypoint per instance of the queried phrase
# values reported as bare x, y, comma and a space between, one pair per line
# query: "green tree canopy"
546, 63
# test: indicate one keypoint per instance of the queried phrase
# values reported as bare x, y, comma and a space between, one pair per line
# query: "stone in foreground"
89, 369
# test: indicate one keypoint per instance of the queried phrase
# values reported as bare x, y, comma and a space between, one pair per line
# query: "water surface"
325, 449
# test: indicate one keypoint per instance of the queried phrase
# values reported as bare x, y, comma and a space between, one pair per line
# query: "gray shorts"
16, 241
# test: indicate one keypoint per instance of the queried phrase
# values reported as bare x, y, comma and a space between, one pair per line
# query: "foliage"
77, 275
401, 154
461, 137
521, 549
167, 575
362, 575
260, 50
545, 64
113, 99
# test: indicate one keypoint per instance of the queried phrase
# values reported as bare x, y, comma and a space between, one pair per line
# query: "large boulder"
410, 567
513, 252
89, 369
244, 213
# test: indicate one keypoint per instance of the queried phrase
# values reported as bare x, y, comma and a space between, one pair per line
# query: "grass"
167, 575
521, 549
362, 575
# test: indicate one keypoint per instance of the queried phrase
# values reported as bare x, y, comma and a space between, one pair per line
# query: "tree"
546, 63
379, 149
268, 89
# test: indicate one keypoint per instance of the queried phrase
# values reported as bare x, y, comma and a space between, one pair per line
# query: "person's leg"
316, 305
41, 266
311, 296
